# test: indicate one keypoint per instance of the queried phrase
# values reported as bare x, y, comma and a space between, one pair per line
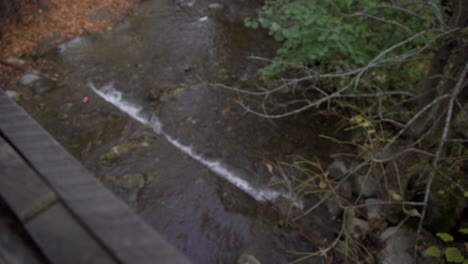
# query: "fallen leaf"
396, 197
269, 167
322, 184
412, 212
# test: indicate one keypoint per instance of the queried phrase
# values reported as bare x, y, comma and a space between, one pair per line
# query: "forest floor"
37, 29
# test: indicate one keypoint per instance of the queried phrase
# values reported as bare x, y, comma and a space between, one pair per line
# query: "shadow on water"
160, 60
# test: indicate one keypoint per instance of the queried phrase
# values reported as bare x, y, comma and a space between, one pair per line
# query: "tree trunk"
445, 69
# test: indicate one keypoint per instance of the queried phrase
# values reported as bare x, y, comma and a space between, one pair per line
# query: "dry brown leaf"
269, 167
65, 19
322, 184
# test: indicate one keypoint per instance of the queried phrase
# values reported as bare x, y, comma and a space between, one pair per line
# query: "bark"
445, 69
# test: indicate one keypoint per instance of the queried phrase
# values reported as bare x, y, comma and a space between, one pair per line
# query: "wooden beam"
24, 192
63, 240
112, 222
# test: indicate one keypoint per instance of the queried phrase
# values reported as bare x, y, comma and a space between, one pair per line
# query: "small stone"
29, 79
334, 208
374, 210
13, 95
130, 182
355, 226
216, 6
337, 169
247, 259
345, 190
365, 185
15, 61
358, 227
397, 243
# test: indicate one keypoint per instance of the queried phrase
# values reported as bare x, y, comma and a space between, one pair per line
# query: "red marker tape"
85, 100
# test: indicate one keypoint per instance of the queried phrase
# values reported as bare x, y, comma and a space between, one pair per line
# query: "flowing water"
195, 165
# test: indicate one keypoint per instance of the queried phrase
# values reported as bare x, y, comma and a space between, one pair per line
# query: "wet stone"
171, 93
355, 226
15, 61
247, 259
365, 185
29, 79
337, 169
130, 181
120, 150
15, 96
398, 241
373, 208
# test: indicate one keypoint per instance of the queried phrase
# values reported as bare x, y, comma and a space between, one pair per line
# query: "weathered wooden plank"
63, 240
24, 192
108, 218
13, 247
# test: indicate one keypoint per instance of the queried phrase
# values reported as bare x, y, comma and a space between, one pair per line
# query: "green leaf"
453, 255
463, 231
466, 261
433, 251
255, 25
445, 237
465, 194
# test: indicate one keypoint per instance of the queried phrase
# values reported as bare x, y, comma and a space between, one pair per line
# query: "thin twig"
458, 87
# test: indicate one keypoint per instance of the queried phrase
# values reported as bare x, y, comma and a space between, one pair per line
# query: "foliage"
338, 35
452, 254
396, 69
445, 237
433, 251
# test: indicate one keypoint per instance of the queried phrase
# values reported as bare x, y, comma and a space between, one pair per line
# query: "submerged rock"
120, 150
130, 181
164, 92
216, 6
247, 259
171, 93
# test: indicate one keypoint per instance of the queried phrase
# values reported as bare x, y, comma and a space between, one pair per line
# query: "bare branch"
414, 118
458, 87
385, 203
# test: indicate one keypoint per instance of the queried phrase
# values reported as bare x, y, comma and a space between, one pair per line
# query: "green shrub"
329, 35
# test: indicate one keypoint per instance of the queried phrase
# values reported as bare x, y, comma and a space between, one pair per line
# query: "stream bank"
134, 105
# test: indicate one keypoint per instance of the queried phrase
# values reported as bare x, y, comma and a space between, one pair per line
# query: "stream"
183, 154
